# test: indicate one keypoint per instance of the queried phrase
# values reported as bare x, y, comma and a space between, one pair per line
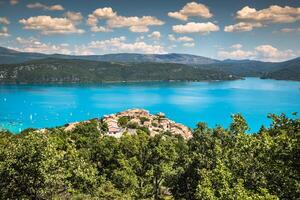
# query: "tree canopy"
216, 163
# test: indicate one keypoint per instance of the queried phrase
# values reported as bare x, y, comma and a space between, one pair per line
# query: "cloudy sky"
266, 30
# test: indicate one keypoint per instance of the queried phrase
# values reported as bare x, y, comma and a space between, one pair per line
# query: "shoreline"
133, 81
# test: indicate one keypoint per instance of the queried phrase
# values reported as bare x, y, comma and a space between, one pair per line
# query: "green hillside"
54, 70
289, 70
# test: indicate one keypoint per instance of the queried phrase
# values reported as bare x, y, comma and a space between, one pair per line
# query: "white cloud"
48, 25
4, 32
4, 20
270, 53
191, 9
45, 7
74, 16
119, 44
262, 52
236, 46
290, 30
191, 44
155, 35
13, 2
113, 45
242, 27
272, 14
113, 20
100, 29
104, 13
192, 27
139, 29
120, 21
171, 37
185, 39
251, 18
32, 44
178, 15
236, 54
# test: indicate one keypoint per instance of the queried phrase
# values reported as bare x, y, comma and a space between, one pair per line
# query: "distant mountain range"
288, 70
8, 56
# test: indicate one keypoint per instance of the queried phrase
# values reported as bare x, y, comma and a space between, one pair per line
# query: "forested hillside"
216, 163
289, 70
54, 70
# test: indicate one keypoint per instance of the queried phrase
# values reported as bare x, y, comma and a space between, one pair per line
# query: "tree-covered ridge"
54, 70
216, 163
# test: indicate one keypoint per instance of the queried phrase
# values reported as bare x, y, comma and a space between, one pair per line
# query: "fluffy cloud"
273, 14
4, 20
192, 27
74, 16
191, 9
180, 39
104, 13
242, 27
45, 7
171, 37
139, 29
34, 45
113, 45
236, 46
4, 32
251, 18
100, 29
192, 44
13, 2
145, 21
185, 39
262, 52
155, 35
4, 29
135, 24
48, 25
236, 54
178, 15
119, 44
270, 53
290, 30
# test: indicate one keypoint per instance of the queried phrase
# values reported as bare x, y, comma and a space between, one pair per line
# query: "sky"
267, 30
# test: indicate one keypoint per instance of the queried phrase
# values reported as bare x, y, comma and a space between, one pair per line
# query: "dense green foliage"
80, 71
244, 68
216, 163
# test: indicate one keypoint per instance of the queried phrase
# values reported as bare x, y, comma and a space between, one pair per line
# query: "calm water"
212, 102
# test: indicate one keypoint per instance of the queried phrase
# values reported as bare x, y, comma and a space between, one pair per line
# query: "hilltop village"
130, 121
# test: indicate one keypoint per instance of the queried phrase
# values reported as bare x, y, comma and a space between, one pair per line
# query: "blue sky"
262, 30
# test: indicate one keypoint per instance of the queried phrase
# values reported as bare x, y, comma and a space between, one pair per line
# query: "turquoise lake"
40, 106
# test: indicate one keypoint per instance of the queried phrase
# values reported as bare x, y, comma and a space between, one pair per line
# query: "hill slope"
54, 70
243, 68
289, 70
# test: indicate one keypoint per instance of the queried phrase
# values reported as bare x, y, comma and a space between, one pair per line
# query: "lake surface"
39, 106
